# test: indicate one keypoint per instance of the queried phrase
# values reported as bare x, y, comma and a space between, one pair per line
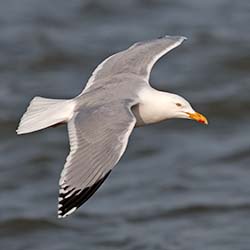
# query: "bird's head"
181, 108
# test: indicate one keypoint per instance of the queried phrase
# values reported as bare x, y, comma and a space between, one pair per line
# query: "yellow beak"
198, 117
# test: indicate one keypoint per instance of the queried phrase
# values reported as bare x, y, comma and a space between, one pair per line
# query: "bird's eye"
178, 104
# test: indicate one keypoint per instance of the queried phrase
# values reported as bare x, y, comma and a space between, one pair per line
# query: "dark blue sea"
180, 185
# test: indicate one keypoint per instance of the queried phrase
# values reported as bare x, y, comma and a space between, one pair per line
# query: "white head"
178, 107
156, 106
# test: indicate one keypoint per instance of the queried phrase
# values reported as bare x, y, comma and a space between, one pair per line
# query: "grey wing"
98, 138
138, 59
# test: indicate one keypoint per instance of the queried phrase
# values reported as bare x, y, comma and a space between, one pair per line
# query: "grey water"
180, 185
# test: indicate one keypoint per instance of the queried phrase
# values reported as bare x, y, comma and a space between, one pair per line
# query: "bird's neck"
153, 107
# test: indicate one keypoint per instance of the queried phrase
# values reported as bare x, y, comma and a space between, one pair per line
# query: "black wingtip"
71, 199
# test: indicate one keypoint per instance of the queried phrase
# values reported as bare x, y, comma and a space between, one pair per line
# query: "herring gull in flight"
117, 98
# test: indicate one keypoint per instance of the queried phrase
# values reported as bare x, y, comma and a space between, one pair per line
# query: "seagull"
117, 98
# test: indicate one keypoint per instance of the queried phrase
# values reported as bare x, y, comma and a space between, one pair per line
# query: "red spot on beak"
198, 117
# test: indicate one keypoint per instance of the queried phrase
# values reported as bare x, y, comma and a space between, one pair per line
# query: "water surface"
180, 185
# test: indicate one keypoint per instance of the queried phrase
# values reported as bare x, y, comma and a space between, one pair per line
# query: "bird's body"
116, 98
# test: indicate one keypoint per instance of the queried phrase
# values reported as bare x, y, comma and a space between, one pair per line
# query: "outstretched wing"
98, 138
138, 59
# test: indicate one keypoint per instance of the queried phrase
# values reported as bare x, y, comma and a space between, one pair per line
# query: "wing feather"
98, 138
137, 59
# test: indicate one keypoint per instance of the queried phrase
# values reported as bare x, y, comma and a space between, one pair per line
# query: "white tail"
43, 113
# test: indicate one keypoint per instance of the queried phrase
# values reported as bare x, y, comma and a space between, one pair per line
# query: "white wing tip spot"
66, 214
